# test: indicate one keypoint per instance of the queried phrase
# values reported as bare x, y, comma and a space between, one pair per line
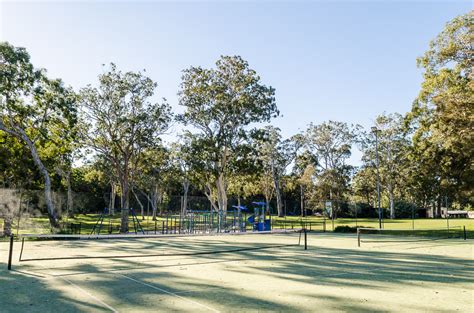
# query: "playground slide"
251, 219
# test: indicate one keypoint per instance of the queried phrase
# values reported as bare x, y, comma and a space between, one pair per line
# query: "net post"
155, 226
358, 236
10, 253
305, 239
464, 232
21, 251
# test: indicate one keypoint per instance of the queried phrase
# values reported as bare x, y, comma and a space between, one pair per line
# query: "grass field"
333, 275
41, 225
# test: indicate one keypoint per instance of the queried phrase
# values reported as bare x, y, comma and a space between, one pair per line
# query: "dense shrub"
404, 209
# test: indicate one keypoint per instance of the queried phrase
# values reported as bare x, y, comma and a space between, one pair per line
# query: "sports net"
76, 247
409, 235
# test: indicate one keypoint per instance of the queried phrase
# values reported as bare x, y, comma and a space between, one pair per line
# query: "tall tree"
442, 116
305, 172
220, 104
152, 176
364, 184
276, 155
34, 109
393, 148
331, 142
183, 159
122, 122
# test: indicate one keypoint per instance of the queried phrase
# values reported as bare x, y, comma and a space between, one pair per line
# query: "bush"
404, 209
345, 229
366, 210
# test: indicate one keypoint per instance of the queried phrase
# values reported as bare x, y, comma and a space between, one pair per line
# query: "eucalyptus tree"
442, 114
246, 185
122, 121
393, 148
220, 105
275, 155
182, 157
36, 110
153, 175
331, 143
305, 171
364, 184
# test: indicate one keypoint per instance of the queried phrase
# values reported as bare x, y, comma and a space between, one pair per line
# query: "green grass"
87, 221
421, 223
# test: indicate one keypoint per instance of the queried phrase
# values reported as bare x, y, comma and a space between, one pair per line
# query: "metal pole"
305, 240
375, 130
358, 237
10, 253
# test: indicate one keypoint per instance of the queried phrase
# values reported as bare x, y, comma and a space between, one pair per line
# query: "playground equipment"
259, 220
211, 221
105, 213
238, 222
196, 222
199, 222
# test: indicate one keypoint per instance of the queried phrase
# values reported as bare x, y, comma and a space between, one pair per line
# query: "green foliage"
120, 123
39, 112
346, 229
331, 144
441, 117
220, 104
423, 157
406, 209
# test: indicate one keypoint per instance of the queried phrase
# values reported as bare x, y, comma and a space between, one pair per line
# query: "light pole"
376, 131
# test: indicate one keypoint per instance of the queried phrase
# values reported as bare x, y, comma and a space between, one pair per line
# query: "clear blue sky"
340, 60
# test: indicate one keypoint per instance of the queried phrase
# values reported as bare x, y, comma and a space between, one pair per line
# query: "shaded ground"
332, 275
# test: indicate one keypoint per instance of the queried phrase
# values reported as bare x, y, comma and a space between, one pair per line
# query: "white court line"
168, 292
83, 291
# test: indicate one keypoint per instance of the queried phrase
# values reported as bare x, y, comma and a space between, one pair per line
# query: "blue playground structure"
259, 219
238, 222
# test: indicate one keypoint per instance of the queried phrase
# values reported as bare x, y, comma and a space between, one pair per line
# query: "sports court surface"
240, 274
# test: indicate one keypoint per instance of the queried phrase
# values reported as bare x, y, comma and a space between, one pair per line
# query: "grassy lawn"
41, 224
388, 223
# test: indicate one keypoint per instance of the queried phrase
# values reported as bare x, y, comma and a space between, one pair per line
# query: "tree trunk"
185, 197
208, 193
154, 202
367, 197
392, 201
69, 194
221, 193
278, 197
160, 200
302, 200
52, 215
142, 208
125, 204
113, 193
